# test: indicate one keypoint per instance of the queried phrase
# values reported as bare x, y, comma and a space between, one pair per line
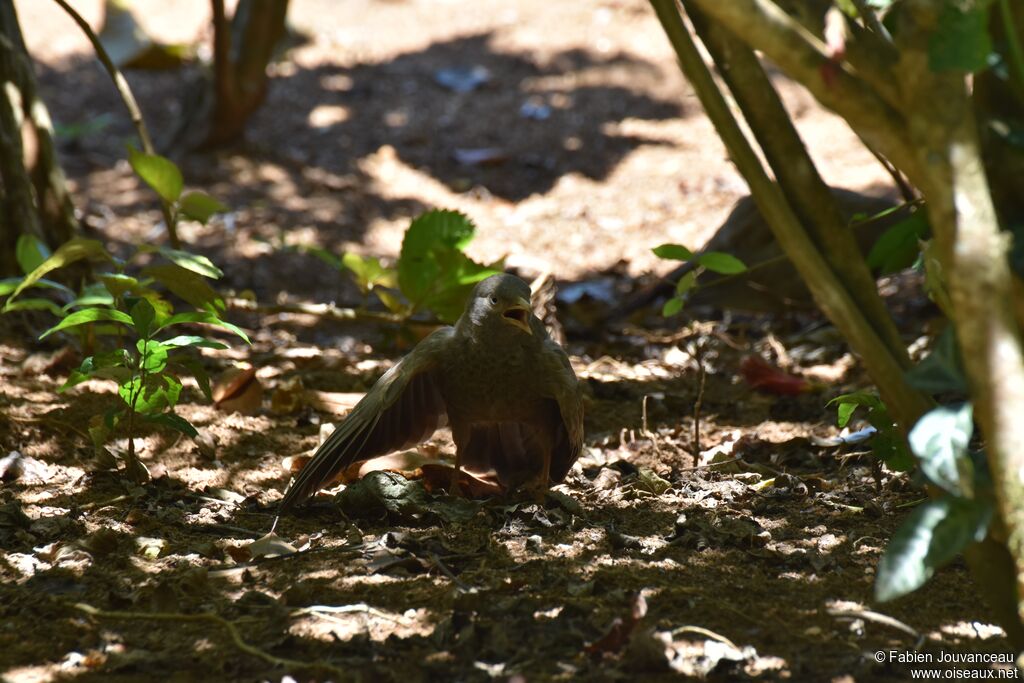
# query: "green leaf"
721, 263
686, 283
176, 422
160, 173
197, 263
432, 270
961, 41
847, 403
206, 318
933, 534
154, 395
194, 366
89, 315
69, 252
192, 340
844, 412
143, 314
30, 252
93, 295
153, 355
199, 206
941, 371
672, 306
368, 272
674, 252
899, 246
109, 365
327, 257
36, 305
118, 284
939, 440
888, 445
188, 285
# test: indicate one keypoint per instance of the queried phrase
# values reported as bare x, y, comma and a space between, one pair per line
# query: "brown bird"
506, 389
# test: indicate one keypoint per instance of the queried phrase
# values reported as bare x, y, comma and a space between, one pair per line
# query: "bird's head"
500, 299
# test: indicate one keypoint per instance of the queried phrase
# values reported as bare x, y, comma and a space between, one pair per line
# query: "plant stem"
123, 89
1016, 53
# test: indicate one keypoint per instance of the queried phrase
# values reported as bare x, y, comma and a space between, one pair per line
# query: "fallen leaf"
617, 636
271, 545
760, 375
238, 390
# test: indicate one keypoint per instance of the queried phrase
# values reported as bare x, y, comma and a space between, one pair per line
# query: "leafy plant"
715, 261
433, 272
887, 444
148, 354
165, 178
939, 529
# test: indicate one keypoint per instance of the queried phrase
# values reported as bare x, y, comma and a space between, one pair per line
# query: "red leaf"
760, 375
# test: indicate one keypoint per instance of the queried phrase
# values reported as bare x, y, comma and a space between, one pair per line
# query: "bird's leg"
540, 485
455, 485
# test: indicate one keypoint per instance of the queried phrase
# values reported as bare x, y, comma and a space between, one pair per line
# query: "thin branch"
871, 19
906, 403
232, 630
327, 311
1016, 52
123, 89
804, 57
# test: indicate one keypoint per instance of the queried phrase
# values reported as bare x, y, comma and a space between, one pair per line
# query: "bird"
507, 391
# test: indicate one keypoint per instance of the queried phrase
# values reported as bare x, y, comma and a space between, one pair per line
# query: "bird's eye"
494, 300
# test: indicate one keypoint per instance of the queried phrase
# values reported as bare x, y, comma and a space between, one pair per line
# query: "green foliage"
715, 261
941, 371
899, 246
960, 41
433, 272
161, 174
134, 311
933, 534
941, 528
887, 444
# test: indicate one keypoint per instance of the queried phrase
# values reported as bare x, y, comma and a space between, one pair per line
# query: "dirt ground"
761, 568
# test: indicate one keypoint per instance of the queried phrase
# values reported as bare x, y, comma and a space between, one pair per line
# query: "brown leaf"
438, 477
617, 636
289, 397
238, 390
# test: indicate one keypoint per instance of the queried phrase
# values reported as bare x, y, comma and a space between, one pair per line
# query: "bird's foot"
538, 490
455, 485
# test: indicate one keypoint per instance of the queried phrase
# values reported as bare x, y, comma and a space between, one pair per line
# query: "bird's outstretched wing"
403, 408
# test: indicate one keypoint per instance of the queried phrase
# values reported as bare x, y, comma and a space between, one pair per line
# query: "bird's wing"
403, 408
563, 386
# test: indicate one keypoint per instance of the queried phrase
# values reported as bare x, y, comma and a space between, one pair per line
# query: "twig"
328, 612
705, 632
448, 572
1016, 52
121, 84
644, 428
699, 402
709, 465
906, 191
878, 618
329, 311
232, 630
871, 19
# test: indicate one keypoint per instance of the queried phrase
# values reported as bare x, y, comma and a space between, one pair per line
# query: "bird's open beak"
518, 314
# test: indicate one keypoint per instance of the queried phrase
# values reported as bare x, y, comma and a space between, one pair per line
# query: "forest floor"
759, 568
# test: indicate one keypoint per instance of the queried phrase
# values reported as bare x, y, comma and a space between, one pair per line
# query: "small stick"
698, 403
121, 84
232, 630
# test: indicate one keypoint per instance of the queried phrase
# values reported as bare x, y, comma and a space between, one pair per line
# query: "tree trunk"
33, 199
